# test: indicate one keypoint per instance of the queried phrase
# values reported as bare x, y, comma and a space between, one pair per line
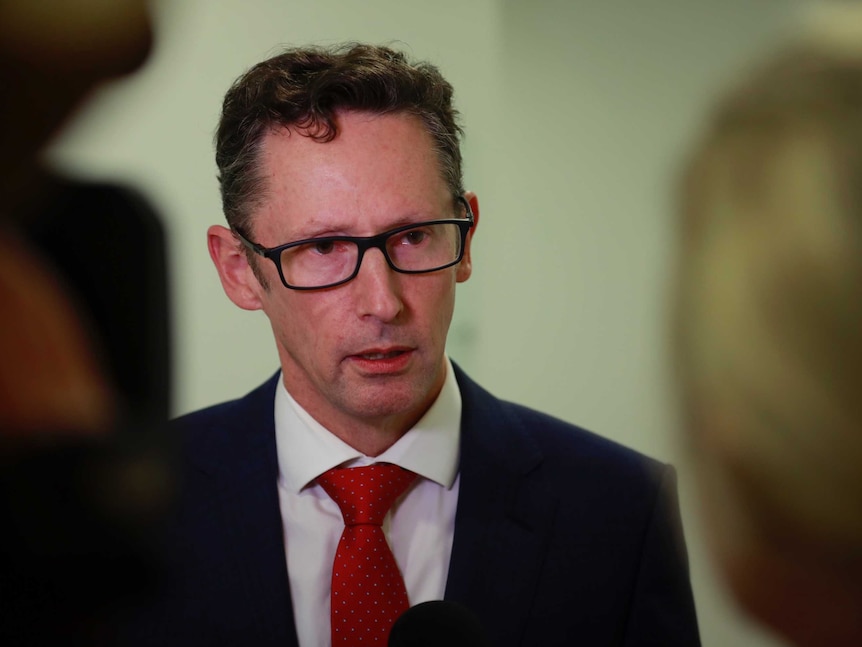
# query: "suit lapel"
246, 489
504, 518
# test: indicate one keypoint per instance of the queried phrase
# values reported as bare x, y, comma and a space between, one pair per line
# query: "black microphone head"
438, 623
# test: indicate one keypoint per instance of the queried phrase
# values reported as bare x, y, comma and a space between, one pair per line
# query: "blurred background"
577, 113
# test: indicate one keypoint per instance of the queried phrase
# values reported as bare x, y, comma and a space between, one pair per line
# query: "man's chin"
390, 401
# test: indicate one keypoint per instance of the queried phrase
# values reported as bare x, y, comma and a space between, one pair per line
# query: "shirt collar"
306, 449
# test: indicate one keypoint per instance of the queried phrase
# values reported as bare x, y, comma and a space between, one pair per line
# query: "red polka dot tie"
368, 592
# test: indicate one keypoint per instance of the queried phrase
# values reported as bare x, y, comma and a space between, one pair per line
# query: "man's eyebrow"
319, 229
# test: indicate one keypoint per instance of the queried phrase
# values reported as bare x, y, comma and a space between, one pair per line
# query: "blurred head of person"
768, 332
52, 54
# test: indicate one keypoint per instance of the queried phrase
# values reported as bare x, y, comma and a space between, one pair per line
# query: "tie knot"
365, 494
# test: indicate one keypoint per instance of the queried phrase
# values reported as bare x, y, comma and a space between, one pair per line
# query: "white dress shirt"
419, 527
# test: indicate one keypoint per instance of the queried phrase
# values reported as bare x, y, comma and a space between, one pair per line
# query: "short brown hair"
305, 88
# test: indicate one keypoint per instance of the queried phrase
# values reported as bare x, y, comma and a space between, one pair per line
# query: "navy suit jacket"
561, 537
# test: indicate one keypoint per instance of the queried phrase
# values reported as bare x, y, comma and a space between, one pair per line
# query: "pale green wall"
576, 115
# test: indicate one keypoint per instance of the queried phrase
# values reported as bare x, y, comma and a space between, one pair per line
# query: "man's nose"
378, 287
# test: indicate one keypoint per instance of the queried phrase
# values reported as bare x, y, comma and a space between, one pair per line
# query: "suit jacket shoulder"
228, 573
205, 433
565, 537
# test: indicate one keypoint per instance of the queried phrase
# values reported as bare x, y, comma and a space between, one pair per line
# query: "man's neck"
370, 442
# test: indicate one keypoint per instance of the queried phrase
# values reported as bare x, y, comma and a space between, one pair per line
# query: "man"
349, 227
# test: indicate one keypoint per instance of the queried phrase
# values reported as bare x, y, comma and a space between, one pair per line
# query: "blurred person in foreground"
83, 367
349, 226
769, 333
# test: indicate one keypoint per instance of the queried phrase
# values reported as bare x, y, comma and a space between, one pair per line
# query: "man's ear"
465, 267
237, 278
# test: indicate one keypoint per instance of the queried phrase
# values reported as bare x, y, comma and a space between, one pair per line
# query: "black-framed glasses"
417, 248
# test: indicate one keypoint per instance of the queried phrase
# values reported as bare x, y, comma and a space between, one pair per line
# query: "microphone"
438, 623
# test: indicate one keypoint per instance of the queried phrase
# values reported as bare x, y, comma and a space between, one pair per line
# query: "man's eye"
414, 236
323, 247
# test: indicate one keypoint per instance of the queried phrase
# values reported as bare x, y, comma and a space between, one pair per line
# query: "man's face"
371, 351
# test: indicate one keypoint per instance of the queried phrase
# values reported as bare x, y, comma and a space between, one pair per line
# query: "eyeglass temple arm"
257, 249
468, 210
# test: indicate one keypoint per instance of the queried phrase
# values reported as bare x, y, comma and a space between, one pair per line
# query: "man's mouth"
376, 362
381, 355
